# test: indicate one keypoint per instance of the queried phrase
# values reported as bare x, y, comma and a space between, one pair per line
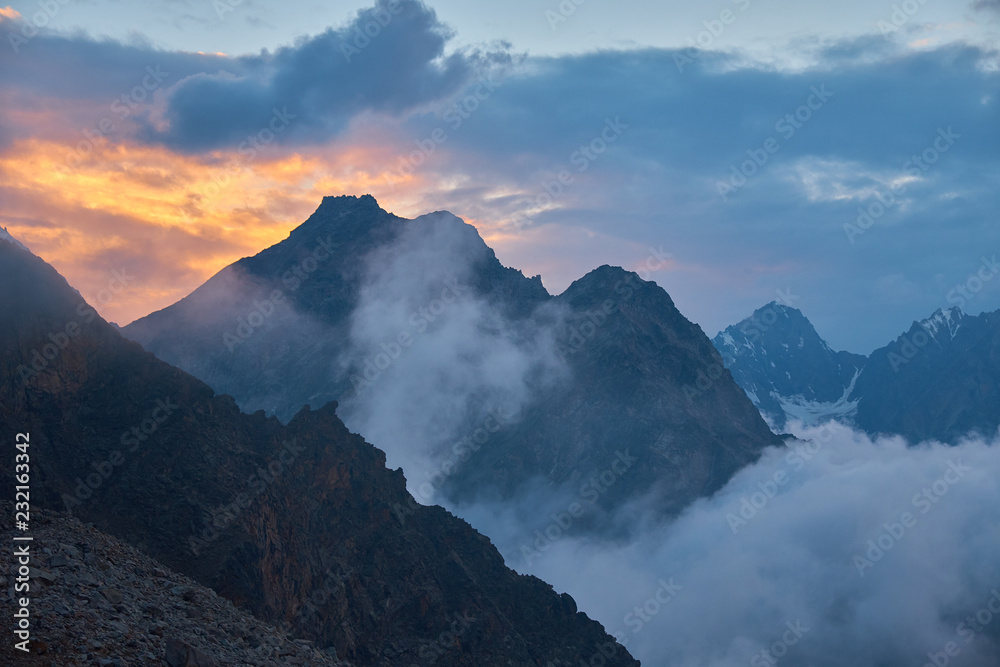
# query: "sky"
842, 157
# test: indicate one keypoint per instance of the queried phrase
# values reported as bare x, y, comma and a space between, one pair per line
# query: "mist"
435, 368
837, 550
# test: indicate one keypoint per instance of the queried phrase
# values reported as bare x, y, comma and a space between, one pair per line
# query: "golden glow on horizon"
180, 219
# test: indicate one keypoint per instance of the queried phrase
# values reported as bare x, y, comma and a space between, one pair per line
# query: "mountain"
787, 369
298, 523
939, 380
417, 323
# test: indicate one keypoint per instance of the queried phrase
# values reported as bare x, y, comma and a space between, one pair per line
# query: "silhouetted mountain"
301, 524
786, 369
608, 366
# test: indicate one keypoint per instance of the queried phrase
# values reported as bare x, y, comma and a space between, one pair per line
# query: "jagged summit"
346, 217
943, 322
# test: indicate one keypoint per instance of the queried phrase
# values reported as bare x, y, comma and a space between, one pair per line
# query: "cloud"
431, 357
693, 118
875, 552
689, 130
987, 6
390, 59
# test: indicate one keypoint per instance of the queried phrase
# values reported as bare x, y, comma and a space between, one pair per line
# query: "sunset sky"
164, 142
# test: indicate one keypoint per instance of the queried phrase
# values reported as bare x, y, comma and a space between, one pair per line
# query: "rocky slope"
97, 601
270, 516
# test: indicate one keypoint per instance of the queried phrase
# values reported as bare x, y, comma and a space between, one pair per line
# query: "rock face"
786, 369
97, 601
639, 376
939, 380
300, 524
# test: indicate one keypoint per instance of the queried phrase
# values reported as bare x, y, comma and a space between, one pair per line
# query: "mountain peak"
346, 216
349, 202
943, 321
6, 236
781, 309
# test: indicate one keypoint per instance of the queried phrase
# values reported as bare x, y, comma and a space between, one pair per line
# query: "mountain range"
430, 344
939, 380
297, 523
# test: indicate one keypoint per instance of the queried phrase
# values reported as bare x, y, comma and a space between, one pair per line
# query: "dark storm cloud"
390, 59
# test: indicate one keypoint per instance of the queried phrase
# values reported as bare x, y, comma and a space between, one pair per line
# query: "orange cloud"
170, 220
9, 13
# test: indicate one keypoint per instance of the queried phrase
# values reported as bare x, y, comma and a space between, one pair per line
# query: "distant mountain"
394, 313
939, 380
787, 369
301, 524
